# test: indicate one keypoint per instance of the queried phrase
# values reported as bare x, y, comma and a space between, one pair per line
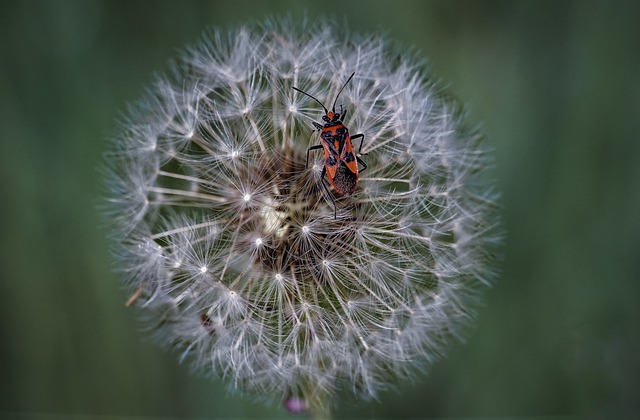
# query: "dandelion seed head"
231, 240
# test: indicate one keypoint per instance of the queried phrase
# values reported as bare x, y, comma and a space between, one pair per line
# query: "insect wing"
330, 159
348, 156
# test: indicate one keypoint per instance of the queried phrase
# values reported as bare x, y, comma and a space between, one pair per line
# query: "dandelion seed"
230, 244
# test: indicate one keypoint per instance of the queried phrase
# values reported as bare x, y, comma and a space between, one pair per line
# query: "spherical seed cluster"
230, 245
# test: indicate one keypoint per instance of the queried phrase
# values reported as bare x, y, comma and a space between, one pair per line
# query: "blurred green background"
556, 86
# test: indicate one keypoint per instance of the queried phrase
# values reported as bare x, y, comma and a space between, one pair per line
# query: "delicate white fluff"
232, 244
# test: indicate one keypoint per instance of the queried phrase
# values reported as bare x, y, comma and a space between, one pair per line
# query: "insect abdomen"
344, 180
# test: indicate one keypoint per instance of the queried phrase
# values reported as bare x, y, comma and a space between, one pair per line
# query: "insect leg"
360, 161
316, 147
361, 137
335, 209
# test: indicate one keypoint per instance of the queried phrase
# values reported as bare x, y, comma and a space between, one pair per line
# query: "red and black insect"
340, 160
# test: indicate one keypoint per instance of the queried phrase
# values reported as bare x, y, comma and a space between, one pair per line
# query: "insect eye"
325, 118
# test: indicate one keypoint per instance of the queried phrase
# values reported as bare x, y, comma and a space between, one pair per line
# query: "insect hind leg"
326, 189
322, 175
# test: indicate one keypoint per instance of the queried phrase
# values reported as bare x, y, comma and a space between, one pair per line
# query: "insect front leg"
316, 147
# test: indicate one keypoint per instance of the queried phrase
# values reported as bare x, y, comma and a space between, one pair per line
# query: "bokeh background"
556, 86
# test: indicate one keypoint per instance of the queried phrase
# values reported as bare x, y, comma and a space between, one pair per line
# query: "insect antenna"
315, 99
333, 108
